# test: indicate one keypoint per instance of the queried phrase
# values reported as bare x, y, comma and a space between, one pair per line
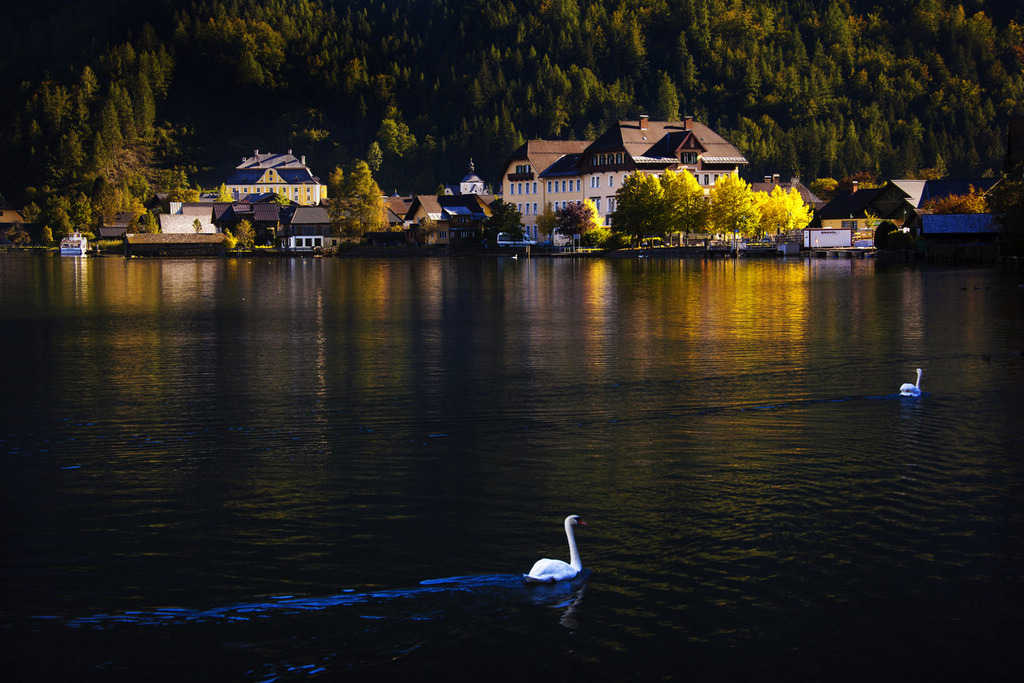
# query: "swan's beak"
580, 522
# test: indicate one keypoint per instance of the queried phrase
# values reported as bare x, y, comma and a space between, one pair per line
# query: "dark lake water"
287, 469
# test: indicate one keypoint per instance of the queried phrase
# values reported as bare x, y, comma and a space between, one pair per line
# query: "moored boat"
74, 244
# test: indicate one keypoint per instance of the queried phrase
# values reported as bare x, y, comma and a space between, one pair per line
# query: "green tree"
18, 236
504, 218
686, 208
394, 136
639, 208
362, 201
668, 98
374, 156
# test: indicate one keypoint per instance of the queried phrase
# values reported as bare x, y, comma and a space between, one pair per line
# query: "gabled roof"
543, 153
431, 206
656, 141
291, 169
266, 213
309, 215
400, 205
849, 205
221, 211
442, 208
197, 208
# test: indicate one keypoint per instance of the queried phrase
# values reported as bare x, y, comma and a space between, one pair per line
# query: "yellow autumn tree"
781, 211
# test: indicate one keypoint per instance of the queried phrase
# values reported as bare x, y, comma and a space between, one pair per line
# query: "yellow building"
263, 174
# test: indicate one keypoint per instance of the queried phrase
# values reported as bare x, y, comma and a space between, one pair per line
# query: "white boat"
74, 244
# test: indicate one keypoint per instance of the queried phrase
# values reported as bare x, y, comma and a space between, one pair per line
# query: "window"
618, 157
849, 225
611, 181
535, 187
578, 181
535, 208
597, 203
511, 188
549, 186
563, 186
706, 179
520, 189
611, 204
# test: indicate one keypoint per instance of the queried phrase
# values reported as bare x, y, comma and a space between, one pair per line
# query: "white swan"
909, 389
549, 571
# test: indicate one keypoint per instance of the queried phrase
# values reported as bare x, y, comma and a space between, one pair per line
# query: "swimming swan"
549, 571
909, 389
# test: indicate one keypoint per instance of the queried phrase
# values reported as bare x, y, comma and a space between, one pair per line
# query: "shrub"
900, 240
882, 232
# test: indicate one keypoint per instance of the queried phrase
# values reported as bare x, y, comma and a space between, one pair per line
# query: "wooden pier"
842, 252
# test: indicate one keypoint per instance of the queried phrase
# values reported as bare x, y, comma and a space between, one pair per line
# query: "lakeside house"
858, 212
455, 220
271, 174
544, 173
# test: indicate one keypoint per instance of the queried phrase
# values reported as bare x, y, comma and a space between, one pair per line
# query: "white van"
505, 240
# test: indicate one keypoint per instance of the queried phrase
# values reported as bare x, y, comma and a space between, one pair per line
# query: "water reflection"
283, 427
431, 600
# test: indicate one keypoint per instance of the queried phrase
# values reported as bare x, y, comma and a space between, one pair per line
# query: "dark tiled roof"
653, 141
568, 165
849, 205
542, 153
309, 215
268, 213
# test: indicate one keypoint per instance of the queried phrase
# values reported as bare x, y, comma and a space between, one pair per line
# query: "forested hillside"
107, 101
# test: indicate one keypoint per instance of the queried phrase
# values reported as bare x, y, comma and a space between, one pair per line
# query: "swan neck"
574, 554
918, 385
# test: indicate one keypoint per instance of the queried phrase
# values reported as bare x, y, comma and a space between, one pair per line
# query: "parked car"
505, 240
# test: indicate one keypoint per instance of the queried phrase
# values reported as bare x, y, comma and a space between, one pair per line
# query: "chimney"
688, 123
854, 184
767, 178
643, 121
303, 159
256, 152
775, 178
